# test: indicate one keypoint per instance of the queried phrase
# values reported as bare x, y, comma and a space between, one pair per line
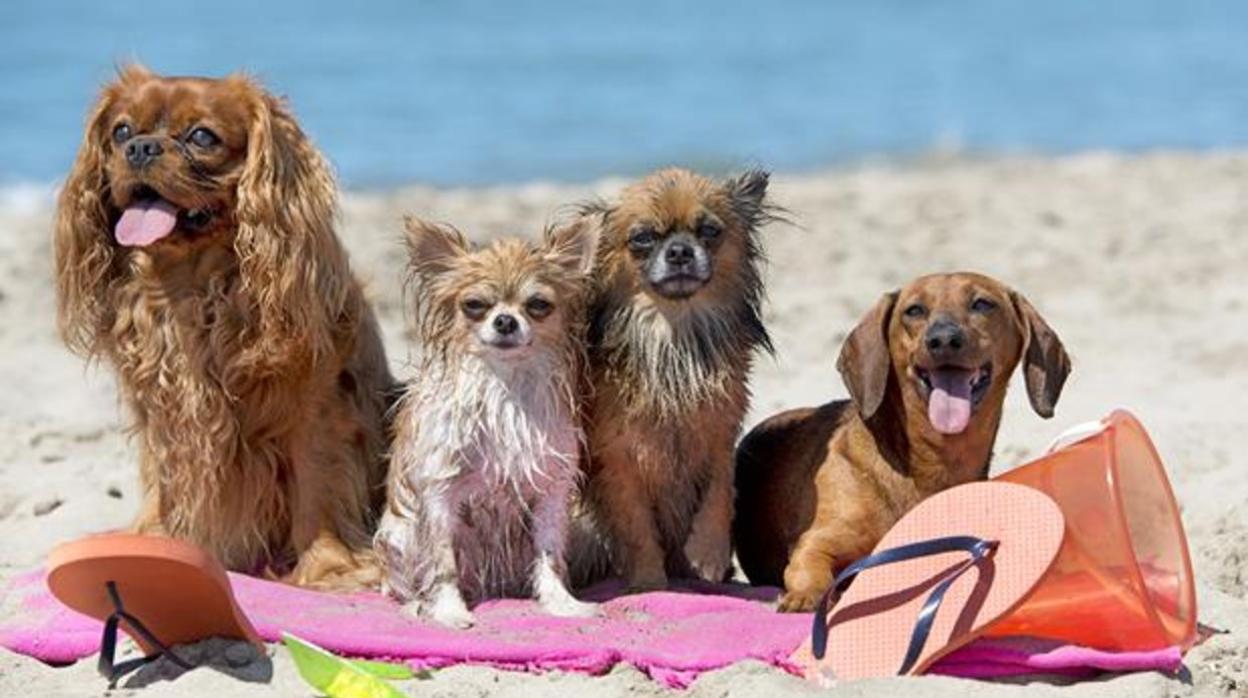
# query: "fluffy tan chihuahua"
487, 454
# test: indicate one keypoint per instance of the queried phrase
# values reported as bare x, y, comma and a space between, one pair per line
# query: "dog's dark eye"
708, 231
538, 307
642, 240
203, 138
121, 133
475, 308
982, 305
916, 310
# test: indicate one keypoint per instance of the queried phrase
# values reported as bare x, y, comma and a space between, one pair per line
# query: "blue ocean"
467, 92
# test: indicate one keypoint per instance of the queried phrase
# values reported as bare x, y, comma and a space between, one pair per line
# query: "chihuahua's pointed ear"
572, 245
748, 194
597, 211
432, 247
865, 363
1045, 362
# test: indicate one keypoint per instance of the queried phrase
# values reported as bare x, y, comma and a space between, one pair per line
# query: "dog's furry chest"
181, 347
210, 438
670, 393
674, 456
650, 366
485, 448
667, 409
165, 334
479, 429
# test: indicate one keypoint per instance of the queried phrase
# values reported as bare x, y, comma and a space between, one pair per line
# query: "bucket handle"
1077, 433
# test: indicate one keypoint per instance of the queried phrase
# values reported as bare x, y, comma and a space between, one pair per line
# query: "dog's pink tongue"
145, 222
949, 405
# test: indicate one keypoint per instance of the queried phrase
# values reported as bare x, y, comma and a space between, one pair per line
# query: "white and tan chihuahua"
486, 458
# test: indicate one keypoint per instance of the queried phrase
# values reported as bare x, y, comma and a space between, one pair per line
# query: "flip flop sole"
870, 627
180, 592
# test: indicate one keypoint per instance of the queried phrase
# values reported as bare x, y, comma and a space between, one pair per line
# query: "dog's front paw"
415, 609
568, 607
797, 602
709, 552
459, 618
710, 562
645, 579
448, 608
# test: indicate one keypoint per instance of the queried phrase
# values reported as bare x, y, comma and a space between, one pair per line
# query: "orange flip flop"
920, 594
160, 591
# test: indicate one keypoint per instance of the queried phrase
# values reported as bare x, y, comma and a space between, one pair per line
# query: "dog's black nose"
944, 338
505, 324
142, 150
678, 254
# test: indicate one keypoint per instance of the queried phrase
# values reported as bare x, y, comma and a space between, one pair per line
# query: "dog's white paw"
569, 607
415, 609
460, 618
448, 608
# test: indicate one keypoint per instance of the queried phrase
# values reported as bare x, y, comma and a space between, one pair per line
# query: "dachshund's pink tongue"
145, 222
949, 405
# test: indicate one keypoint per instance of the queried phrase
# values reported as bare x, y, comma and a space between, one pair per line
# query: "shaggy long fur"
243, 346
669, 380
486, 460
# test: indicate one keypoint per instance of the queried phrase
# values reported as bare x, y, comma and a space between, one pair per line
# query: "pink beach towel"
989, 658
673, 636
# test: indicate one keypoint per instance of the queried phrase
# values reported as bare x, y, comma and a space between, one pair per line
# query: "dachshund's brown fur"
818, 487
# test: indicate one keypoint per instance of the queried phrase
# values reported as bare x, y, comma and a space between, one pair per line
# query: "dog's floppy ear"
1045, 362
432, 247
865, 362
83, 240
572, 245
290, 261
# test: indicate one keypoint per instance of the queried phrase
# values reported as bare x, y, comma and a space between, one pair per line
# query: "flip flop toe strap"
108, 644
977, 548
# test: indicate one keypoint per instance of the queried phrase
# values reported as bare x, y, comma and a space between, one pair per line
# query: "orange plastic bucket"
1123, 578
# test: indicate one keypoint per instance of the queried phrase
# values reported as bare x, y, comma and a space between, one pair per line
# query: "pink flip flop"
956, 563
160, 591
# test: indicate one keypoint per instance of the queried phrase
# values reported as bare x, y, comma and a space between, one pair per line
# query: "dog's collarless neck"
931, 460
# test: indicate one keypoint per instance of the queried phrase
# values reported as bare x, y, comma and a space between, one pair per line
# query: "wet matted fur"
486, 460
674, 327
244, 348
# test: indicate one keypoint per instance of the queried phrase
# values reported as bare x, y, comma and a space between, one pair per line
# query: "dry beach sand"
1139, 262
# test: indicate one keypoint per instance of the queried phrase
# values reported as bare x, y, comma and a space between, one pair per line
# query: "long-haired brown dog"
927, 370
674, 327
195, 252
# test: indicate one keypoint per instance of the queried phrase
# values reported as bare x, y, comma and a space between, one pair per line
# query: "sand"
1138, 262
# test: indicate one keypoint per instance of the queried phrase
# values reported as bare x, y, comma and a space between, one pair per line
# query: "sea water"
466, 92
